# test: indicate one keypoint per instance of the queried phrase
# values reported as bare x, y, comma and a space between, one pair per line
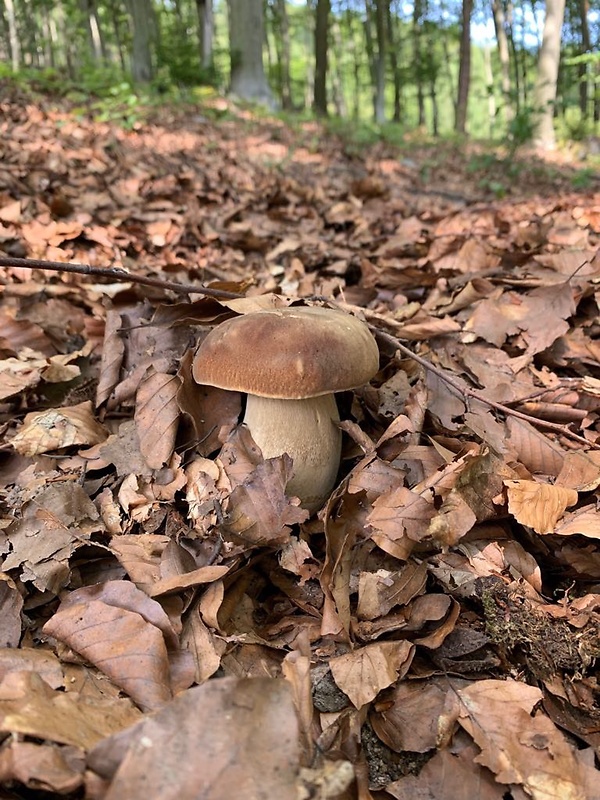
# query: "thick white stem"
306, 431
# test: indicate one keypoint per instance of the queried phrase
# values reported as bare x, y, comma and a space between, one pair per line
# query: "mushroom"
289, 362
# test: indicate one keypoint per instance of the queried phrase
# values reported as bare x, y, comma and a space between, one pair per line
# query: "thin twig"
117, 274
465, 391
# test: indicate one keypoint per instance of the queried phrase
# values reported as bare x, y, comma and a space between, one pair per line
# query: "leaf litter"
174, 625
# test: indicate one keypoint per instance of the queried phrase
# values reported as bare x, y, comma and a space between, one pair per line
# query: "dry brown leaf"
157, 417
17, 380
442, 610
584, 521
540, 316
11, 605
398, 519
213, 412
342, 530
494, 558
537, 452
259, 512
55, 428
517, 747
30, 707
28, 659
452, 774
206, 487
538, 505
54, 524
42, 768
363, 673
239, 455
413, 716
140, 556
296, 669
580, 471
129, 648
191, 748
379, 592
206, 648
187, 580
294, 557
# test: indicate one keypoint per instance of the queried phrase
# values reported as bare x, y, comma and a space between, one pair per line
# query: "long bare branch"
116, 274
465, 391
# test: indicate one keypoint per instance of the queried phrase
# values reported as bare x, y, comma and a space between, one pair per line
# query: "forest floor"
171, 623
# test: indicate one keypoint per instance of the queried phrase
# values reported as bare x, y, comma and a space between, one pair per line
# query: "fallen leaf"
538, 505
363, 673
190, 748
58, 427
29, 706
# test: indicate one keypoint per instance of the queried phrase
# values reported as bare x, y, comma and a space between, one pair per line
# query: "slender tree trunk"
281, 33
418, 59
246, 41
514, 56
142, 68
489, 85
204, 10
13, 33
394, 51
32, 49
339, 99
370, 48
356, 61
586, 47
381, 11
464, 70
432, 77
308, 40
321, 46
116, 24
523, 61
94, 34
503, 56
547, 75
53, 47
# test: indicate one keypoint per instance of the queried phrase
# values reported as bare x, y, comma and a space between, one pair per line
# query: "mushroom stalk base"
306, 431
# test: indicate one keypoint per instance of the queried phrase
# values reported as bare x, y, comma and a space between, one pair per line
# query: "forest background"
510, 71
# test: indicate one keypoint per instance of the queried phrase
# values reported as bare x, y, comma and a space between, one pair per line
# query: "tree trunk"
432, 77
246, 41
281, 33
547, 75
308, 42
204, 9
489, 85
503, 56
381, 9
586, 47
395, 64
94, 33
418, 59
356, 60
321, 46
13, 33
339, 99
142, 68
116, 26
464, 69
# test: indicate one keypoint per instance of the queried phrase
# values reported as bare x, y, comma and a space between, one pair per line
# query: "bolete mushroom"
289, 362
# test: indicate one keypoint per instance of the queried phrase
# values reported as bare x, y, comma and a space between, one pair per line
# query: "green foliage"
48, 81
521, 127
584, 178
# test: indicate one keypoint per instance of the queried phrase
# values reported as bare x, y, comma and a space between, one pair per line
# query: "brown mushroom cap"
288, 353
